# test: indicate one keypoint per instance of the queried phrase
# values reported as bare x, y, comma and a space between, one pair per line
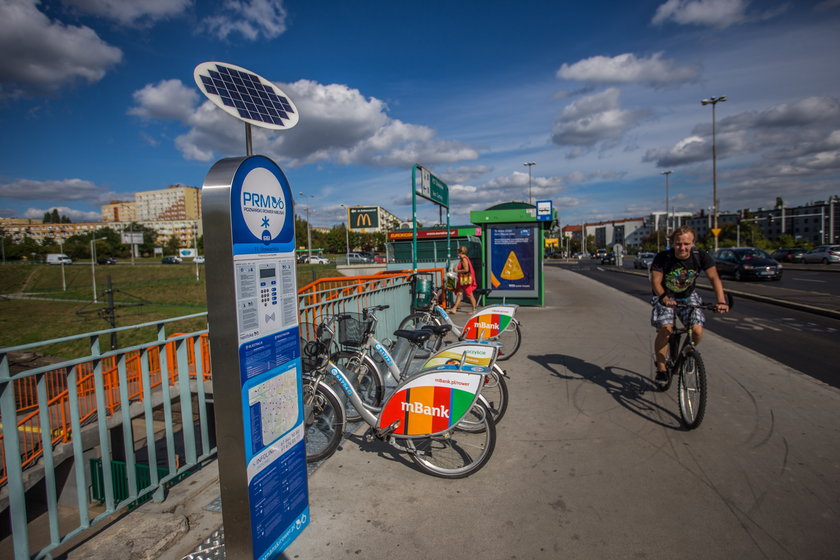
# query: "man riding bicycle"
673, 275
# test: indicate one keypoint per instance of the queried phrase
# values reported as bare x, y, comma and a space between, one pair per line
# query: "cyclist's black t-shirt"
680, 276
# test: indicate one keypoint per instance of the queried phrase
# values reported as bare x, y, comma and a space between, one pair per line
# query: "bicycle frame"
430, 403
488, 322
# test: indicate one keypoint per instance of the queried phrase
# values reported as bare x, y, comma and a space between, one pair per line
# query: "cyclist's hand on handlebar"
668, 302
721, 308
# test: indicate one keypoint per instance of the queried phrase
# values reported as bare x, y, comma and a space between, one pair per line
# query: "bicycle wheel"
416, 321
456, 453
323, 421
366, 379
419, 320
692, 390
495, 394
510, 338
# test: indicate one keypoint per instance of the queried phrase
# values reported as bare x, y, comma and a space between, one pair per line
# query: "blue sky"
97, 101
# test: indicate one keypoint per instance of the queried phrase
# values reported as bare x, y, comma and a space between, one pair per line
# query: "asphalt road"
800, 340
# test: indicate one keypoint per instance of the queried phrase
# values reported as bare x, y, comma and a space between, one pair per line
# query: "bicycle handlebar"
730, 302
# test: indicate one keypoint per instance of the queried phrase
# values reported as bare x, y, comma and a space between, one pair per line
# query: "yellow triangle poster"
512, 269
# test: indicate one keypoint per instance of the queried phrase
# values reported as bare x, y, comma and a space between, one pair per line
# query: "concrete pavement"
590, 462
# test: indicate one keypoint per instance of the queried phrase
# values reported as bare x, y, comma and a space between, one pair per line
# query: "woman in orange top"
465, 283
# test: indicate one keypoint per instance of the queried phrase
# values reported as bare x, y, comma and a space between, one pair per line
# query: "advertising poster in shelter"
512, 253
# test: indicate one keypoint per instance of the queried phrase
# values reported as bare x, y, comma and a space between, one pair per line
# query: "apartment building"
176, 202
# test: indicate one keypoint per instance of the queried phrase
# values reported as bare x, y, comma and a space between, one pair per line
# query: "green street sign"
432, 188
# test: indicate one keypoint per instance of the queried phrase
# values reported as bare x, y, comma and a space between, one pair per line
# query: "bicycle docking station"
252, 307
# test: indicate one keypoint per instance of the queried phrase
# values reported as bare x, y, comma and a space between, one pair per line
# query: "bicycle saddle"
438, 330
421, 335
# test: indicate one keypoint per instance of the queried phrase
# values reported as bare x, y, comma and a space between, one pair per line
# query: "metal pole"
63, 281
714, 172
249, 147
195, 246
667, 210
93, 266
529, 164
347, 235
713, 101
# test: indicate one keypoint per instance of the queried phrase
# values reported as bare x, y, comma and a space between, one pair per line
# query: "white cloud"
710, 13
252, 19
801, 135
338, 124
65, 189
168, 99
40, 55
133, 12
627, 68
72, 213
594, 119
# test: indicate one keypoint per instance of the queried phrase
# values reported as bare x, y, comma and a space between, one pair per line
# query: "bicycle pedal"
369, 435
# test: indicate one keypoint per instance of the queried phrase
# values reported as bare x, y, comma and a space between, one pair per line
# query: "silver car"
824, 254
643, 260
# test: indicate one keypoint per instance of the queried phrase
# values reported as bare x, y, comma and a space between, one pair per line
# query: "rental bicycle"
685, 362
423, 416
496, 322
356, 335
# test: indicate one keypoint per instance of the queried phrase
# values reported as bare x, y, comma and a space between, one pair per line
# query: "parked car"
199, 259
825, 254
170, 260
316, 259
379, 258
643, 260
359, 258
106, 260
609, 258
747, 262
788, 254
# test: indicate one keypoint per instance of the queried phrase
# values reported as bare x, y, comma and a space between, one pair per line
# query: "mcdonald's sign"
364, 217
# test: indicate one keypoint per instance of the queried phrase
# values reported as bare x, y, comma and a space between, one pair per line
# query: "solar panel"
245, 95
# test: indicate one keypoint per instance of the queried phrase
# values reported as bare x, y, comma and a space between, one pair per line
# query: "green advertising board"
364, 217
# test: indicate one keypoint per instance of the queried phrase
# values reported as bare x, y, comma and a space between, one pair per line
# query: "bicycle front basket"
353, 329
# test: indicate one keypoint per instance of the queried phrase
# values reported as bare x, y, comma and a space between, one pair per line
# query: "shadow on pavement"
633, 391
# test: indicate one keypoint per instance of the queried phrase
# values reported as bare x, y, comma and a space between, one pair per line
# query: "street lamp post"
63, 278
713, 101
347, 236
93, 265
308, 228
529, 165
667, 213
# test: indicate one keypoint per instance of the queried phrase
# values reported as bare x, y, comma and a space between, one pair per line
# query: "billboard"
364, 217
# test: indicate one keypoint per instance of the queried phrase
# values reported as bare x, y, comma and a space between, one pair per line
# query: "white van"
58, 258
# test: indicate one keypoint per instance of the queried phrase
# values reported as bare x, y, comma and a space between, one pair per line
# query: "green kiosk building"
513, 241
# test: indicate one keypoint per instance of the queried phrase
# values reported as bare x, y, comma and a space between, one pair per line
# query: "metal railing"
88, 408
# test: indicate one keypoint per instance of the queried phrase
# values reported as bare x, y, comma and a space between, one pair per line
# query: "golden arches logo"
363, 220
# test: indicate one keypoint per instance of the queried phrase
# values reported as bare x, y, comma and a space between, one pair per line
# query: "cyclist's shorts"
661, 315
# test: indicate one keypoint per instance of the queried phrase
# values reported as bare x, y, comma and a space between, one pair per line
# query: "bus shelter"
512, 241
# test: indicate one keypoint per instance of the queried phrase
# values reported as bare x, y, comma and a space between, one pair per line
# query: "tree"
172, 245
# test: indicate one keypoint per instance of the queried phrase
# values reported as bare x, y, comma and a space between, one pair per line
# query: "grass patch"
167, 291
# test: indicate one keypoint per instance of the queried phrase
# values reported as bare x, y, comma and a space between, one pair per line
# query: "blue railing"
100, 398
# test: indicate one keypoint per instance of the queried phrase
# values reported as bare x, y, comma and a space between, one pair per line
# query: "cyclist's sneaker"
661, 377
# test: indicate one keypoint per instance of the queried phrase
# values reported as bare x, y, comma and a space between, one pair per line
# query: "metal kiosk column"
254, 340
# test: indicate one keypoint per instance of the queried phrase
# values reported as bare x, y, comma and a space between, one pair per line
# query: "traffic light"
770, 219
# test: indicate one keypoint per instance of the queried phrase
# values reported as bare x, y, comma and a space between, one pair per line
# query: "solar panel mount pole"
249, 144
